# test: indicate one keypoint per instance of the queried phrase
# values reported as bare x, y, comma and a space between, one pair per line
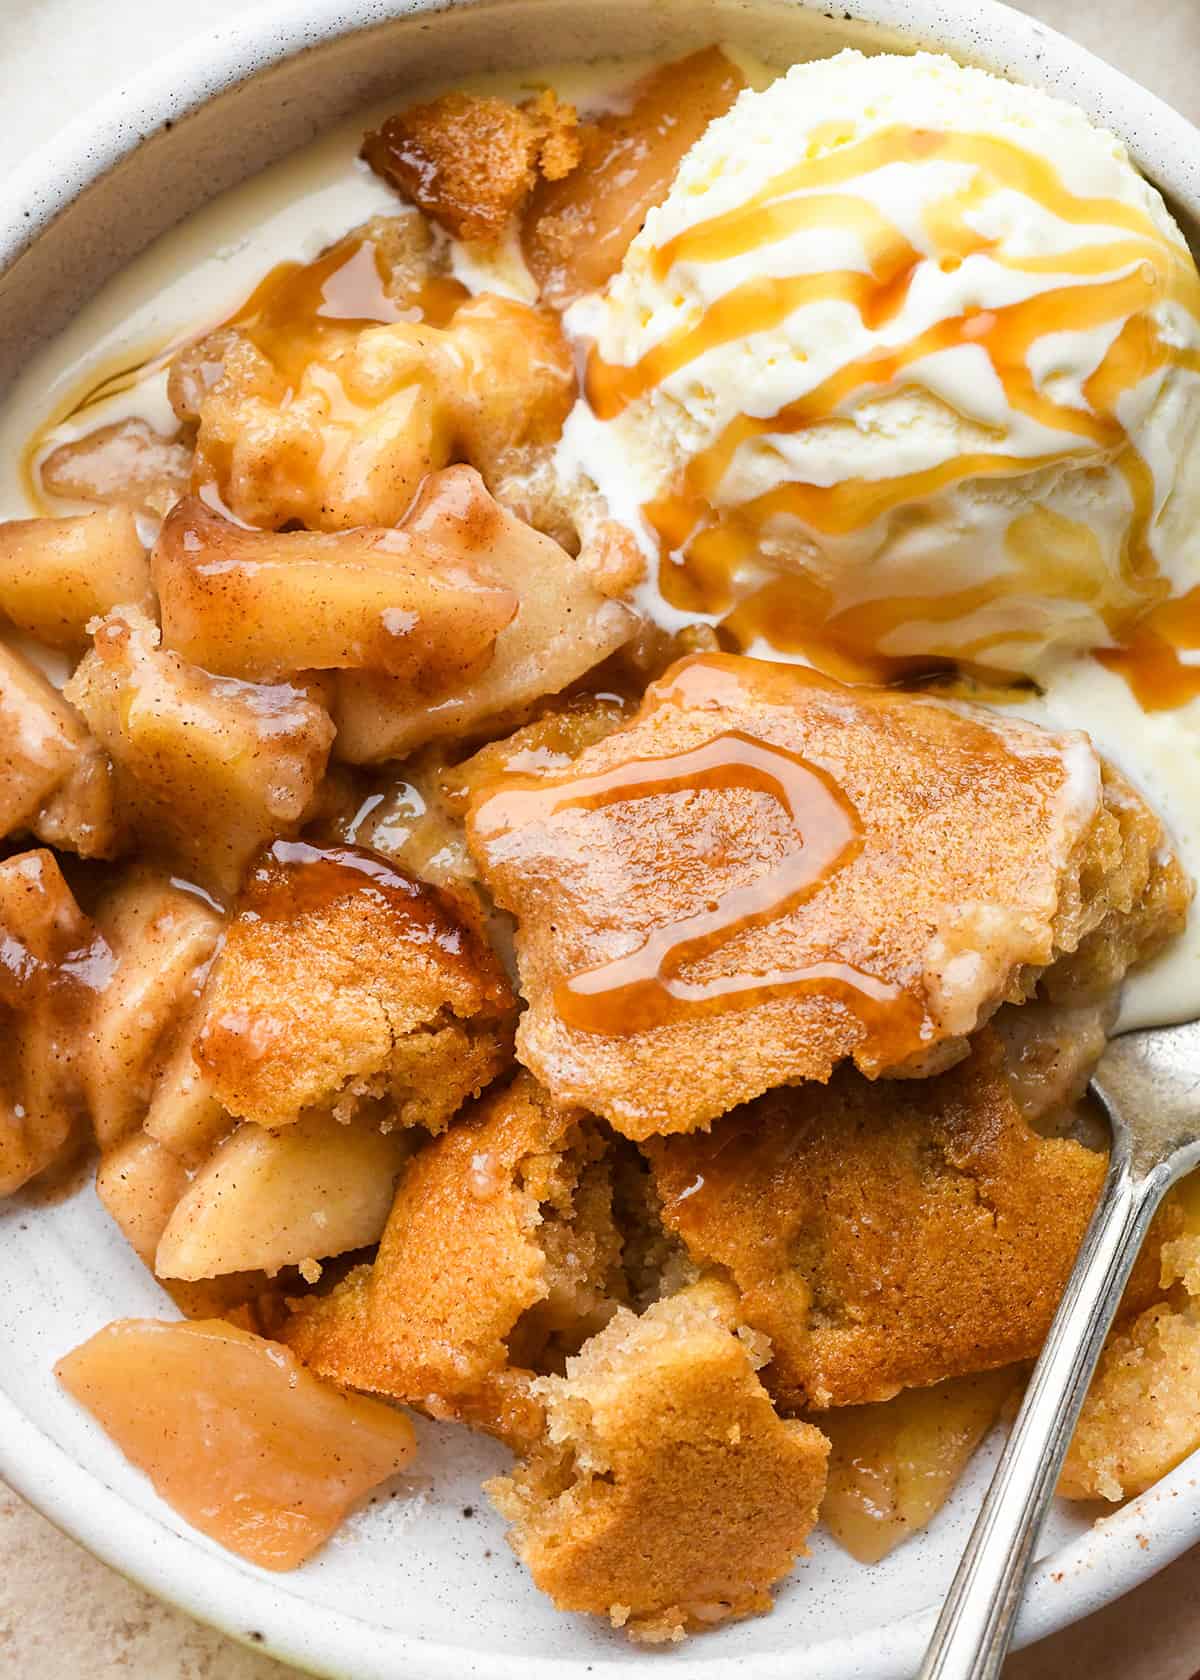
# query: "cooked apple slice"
234, 1433
208, 767
139, 1182
184, 1114
125, 465
563, 626
163, 938
54, 963
56, 574
267, 1199
264, 603
54, 780
578, 229
894, 1465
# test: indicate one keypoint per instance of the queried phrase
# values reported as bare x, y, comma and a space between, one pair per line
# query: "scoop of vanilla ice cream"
909, 359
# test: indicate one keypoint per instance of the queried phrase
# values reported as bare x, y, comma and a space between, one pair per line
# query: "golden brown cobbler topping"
886, 1235
667, 1493
470, 161
344, 979
681, 952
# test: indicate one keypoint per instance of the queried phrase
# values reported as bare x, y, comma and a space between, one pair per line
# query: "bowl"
420, 1584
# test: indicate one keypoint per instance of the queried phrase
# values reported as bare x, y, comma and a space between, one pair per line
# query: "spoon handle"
976, 1624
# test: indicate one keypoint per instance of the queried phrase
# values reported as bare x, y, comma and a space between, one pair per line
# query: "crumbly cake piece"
500, 1246
1142, 1415
667, 1493
681, 953
886, 1235
470, 161
343, 978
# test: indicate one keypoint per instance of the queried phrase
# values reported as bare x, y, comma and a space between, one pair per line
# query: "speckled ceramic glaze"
420, 1585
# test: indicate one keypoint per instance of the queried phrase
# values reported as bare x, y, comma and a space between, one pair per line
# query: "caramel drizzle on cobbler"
644, 988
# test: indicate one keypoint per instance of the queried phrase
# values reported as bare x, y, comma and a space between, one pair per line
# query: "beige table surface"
63, 1615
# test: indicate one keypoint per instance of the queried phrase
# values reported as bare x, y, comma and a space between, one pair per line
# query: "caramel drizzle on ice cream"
706, 540
646, 988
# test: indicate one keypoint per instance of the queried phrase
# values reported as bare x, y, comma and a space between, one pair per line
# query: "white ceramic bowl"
421, 1585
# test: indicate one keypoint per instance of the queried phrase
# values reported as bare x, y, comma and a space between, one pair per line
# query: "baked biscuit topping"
766, 872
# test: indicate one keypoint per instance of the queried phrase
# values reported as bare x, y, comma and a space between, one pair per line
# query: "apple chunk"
266, 1199
208, 768
126, 465
563, 626
54, 966
235, 1434
139, 1183
163, 938
265, 603
56, 574
55, 782
894, 1464
577, 229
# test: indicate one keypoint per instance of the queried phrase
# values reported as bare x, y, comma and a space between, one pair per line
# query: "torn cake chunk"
1141, 1417
470, 160
667, 1494
342, 980
501, 1250
766, 873
886, 1234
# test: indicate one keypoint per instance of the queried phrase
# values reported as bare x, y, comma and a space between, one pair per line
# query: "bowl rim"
187, 1570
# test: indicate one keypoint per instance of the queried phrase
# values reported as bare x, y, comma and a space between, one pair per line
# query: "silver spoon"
1149, 1083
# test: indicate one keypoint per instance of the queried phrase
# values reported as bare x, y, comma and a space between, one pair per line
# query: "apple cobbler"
491, 994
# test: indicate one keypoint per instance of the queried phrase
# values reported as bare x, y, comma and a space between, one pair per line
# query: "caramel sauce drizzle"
1149, 658
294, 879
704, 546
298, 310
645, 988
